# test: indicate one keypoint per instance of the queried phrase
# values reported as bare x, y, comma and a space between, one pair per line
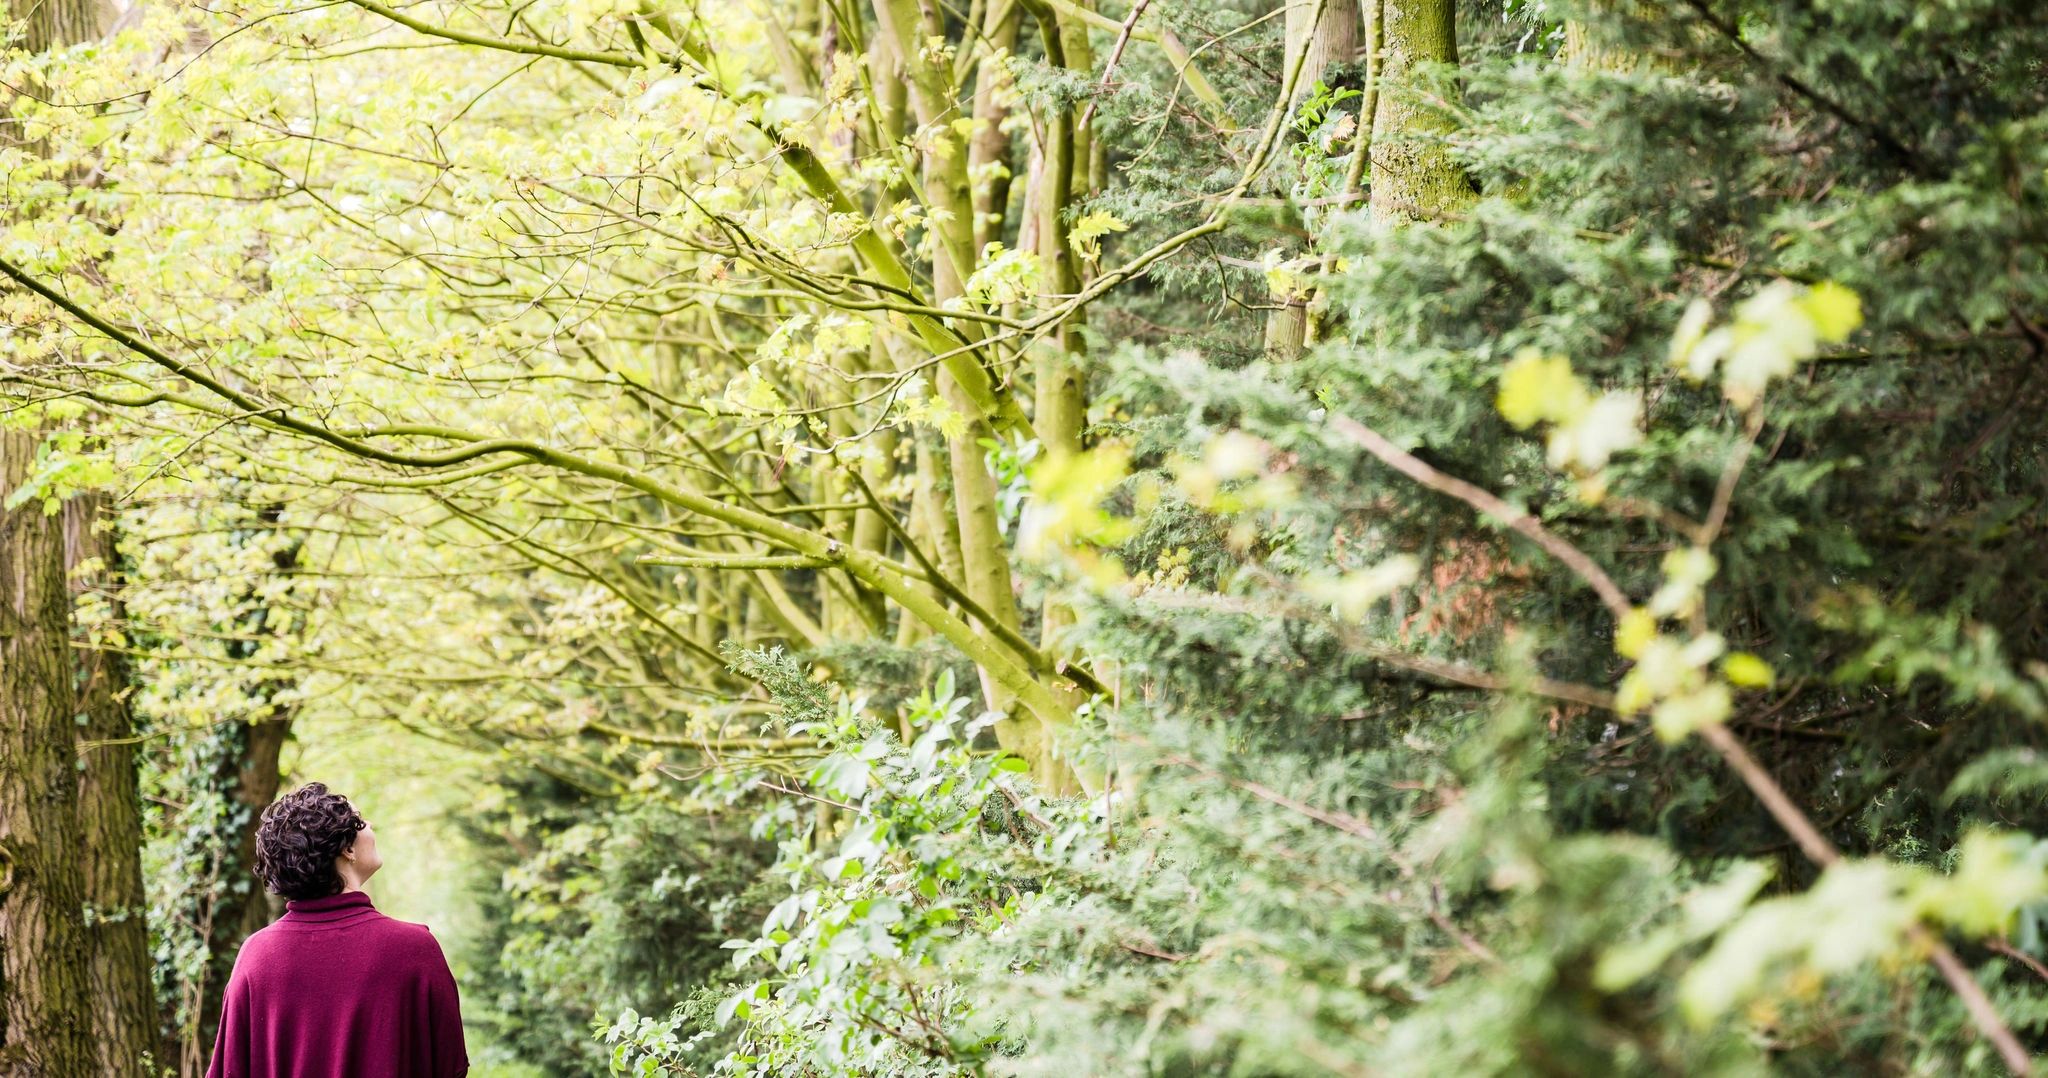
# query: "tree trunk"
1413, 175
247, 776
109, 815
1331, 41
45, 1018
57, 24
1060, 375
1594, 50
984, 554
988, 147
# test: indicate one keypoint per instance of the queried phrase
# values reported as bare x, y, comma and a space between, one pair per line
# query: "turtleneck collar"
345, 906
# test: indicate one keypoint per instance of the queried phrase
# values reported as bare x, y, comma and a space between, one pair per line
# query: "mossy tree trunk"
1413, 174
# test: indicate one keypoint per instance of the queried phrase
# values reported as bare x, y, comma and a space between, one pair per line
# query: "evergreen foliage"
1032, 540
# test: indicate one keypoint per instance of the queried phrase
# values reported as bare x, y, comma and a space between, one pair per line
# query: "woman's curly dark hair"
300, 836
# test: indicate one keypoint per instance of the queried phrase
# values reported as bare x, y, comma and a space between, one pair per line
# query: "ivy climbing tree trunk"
109, 812
1319, 36
45, 1018
247, 776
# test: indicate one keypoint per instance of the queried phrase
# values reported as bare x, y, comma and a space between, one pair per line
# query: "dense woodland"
1040, 537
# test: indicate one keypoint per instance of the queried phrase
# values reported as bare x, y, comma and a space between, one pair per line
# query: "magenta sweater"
335, 989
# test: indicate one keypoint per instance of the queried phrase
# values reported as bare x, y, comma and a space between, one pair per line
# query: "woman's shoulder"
414, 931
415, 939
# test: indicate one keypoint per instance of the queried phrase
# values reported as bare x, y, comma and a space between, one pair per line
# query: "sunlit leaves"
1995, 874
1087, 231
1747, 671
1066, 511
1859, 912
1772, 332
1005, 276
1673, 677
1536, 388
1686, 573
1702, 912
1634, 633
1352, 594
1584, 431
870, 904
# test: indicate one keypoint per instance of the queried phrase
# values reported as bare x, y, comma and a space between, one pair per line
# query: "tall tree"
46, 1025
45, 1020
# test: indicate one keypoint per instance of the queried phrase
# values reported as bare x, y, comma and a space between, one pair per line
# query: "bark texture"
55, 24
46, 1022
109, 810
1413, 175
1331, 40
45, 1019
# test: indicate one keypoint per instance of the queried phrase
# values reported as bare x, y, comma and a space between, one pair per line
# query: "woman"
334, 989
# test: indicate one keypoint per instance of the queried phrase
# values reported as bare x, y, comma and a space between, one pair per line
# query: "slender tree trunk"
1061, 387
46, 1019
1060, 375
984, 555
988, 148
110, 814
1332, 39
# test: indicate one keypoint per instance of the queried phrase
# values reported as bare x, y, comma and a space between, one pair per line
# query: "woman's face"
361, 860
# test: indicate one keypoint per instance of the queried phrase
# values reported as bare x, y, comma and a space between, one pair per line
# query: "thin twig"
1488, 504
1724, 491
2017, 955
807, 795
1116, 54
1362, 828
